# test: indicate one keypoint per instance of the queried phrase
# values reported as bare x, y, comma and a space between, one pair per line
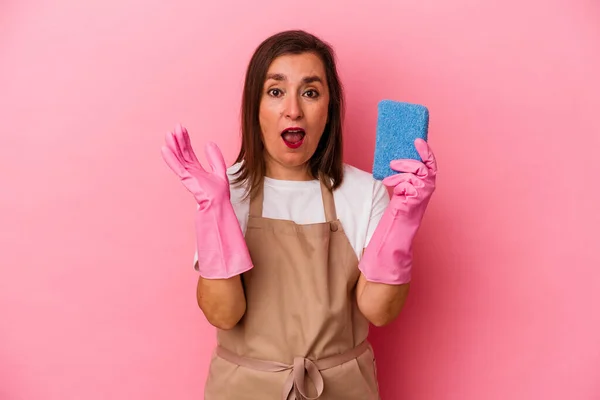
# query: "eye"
275, 92
312, 93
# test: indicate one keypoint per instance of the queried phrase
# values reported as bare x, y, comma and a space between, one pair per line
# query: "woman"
298, 252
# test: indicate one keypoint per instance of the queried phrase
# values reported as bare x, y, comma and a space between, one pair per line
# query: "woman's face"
293, 112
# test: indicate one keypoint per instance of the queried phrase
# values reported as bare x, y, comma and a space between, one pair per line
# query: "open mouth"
293, 137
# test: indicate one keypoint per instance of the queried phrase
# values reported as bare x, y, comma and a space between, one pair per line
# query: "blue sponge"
398, 125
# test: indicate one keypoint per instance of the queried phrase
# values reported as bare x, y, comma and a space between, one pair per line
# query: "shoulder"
237, 190
232, 170
360, 200
362, 190
355, 175
359, 182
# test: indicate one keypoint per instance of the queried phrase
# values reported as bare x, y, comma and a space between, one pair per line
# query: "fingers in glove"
411, 166
397, 179
405, 189
173, 146
178, 138
173, 162
215, 159
185, 145
426, 154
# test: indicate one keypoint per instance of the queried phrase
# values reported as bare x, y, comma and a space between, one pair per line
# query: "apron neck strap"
328, 203
257, 198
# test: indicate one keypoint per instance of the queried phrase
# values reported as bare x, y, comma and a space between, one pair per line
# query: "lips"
293, 137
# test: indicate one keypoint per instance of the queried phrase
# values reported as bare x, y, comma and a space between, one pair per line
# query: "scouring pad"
398, 125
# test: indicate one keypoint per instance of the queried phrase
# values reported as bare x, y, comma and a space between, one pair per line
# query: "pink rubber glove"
222, 250
388, 256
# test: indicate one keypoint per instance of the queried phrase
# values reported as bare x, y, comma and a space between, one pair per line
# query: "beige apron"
302, 336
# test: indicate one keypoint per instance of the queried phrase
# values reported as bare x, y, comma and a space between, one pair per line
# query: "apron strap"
295, 386
257, 199
328, 203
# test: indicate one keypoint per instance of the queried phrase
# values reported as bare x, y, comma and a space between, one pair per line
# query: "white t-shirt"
359, 202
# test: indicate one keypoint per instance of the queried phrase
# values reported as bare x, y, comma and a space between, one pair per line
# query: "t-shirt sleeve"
196, 260
195, 249
381, 199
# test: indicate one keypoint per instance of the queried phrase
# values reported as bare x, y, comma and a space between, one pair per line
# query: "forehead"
297, 66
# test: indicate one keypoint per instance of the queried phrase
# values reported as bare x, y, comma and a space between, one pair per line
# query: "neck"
275, 170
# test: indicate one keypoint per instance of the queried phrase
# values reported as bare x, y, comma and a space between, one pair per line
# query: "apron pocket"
228, 381
368, 368
353, 380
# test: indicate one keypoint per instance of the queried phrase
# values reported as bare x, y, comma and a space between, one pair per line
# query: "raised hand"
388, 256
208, 187
221, 248
415, 184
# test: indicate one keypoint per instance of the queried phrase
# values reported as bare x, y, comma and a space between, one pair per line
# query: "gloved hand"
222, 250
388, 256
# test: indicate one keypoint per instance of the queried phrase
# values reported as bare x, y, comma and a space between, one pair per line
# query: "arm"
380, 303
221, 300
386, 264
222, 255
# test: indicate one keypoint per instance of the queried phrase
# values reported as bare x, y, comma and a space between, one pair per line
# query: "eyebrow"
307, 79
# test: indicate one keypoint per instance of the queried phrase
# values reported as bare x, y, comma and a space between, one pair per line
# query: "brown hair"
326, 163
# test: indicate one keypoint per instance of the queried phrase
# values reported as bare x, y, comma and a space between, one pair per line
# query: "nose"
293, 108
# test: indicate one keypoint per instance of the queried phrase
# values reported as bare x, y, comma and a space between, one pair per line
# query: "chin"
290, 157
294, 160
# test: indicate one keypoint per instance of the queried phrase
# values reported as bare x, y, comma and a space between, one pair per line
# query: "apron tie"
294, 386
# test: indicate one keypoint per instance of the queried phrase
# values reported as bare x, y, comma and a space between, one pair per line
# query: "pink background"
97, 290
